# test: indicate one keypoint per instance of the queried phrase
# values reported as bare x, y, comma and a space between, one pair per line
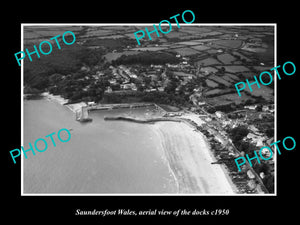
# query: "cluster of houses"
255, 136
121, 76
126, 78
264, 108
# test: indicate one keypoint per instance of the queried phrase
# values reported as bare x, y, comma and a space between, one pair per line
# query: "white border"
148, 24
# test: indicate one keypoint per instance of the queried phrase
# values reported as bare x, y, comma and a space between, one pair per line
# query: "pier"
152, 120
82, 114
121, 106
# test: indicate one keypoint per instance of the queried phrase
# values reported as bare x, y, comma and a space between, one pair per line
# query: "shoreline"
189, 158
213, 158
189, 178
62, 101
190, 184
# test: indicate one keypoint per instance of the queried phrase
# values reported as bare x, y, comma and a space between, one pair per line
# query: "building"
266, 153
156, 66
252, 107
161, 89
130, 86
256, 139
219, 114
112, 81
91, 104
108, 90
172, 65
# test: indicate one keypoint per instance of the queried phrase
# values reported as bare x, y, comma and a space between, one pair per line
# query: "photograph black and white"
160, 118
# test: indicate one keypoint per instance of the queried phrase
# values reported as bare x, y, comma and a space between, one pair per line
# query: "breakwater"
152, 120
122, 105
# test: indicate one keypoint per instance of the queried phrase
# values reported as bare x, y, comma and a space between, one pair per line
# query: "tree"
270, 131
170, 88
238, 133
211, 110
248, 102
147, 80
55, 78
246, 147
269, 182
76, 96
140, 87
29, 90
98, 97
103, 83
40, 82
259, 108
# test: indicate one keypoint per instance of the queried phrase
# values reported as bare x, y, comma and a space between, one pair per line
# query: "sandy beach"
60, 100
190, 160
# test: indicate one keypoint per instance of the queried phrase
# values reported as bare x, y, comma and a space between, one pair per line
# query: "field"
212, 51
149, 48
206, 40
108, 43
189, 43
208, 62
194, 29
213, 92
186, 51
226, 58
213, 33
208, 69
264, 91
262, 68
228, 99
173, 46
229, 43
113, 56
235, 69
129, 35
112, 36
176, 34
96, 32
241, 56
200, 47
211, 83
248, 75
119, 28
251, 48
219, 80
229, 79
232, 76
216, 91
41, 33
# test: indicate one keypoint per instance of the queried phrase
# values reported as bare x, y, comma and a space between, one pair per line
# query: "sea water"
102, 157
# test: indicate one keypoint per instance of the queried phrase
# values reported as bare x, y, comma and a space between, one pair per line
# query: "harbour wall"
152, 120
